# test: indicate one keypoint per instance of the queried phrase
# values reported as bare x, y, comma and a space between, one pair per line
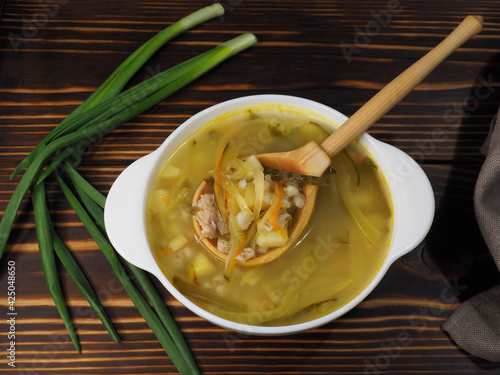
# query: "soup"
335, 259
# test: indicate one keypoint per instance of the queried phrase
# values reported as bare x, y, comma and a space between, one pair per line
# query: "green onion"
43, 233
83, 188
91, 206
74, 270
154, 297
105, 110
119, 78
128, 109
161, 309
151, 318
111, 106
84, 185
201, 66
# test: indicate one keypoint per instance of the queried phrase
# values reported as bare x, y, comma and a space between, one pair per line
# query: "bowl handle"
412, 197
124, 213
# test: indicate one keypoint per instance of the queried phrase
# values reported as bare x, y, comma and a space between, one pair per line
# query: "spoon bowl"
296, 230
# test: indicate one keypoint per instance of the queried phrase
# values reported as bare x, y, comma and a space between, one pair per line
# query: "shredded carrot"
231, 263
218, 162
217, 182
274, 214
166, 251
163, 198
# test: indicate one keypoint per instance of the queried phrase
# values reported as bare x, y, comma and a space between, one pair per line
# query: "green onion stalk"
119, 78
201, 66
106, 109
182, 359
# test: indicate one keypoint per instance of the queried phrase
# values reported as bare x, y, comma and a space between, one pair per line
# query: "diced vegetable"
271, 239
171, 172
178, 242
202, 265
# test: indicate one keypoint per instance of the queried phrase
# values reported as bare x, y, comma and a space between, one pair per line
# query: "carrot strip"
217, 180
274, 213
166, 251
231, 262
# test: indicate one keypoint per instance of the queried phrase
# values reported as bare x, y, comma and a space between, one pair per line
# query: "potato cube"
270, 239
170, 172
202, 265
178, 243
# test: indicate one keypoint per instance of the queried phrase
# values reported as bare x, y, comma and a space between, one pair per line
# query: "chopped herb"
368, 165
300, 179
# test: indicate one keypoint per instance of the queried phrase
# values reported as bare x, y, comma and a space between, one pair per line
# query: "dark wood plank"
49, 68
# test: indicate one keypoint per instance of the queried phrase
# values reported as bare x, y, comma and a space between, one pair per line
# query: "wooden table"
54, 53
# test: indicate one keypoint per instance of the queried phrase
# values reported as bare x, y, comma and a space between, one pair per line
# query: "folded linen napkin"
475, 325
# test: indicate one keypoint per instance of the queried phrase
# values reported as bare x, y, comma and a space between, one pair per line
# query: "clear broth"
330, 265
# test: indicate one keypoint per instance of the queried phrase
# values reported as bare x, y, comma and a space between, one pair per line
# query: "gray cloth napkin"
475, 325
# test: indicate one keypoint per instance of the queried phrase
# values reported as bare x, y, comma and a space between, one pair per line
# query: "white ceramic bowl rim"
410, 190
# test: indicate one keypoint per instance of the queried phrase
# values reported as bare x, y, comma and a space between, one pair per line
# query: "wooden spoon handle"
398, 88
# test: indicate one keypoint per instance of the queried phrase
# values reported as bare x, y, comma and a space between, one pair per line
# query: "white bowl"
125, 211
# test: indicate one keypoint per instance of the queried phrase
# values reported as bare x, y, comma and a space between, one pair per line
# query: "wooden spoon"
313, 159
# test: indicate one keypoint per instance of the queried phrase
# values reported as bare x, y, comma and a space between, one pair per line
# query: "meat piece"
209, 217
223, 246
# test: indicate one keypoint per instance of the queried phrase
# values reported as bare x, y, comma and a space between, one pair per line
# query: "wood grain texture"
54, 54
